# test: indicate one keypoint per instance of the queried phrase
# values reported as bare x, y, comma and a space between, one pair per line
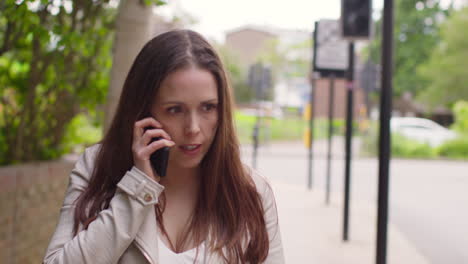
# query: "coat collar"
146, 239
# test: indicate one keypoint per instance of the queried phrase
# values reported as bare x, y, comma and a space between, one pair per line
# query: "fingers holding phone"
160, 157
151, 142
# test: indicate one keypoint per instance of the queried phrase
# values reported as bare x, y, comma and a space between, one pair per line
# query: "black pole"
311, 126
331, 100
312, 101
255, 140
258, 85
349, 138
384, 134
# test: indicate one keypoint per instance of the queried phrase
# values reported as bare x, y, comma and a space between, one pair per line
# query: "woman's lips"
190, 149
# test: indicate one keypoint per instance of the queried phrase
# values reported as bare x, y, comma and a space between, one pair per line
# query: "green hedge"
457, 148
284, 129
407, 148
403, 147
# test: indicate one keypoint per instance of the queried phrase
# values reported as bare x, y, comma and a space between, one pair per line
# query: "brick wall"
30, 199
322, 95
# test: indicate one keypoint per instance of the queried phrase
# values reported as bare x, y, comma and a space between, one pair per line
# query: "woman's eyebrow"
171, 102
213, 100
210, 101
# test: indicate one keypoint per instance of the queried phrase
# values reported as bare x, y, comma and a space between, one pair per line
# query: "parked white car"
422, 130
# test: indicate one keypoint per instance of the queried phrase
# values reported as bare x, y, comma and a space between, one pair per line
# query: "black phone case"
159, 158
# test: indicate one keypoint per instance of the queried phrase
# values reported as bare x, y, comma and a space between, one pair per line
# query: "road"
428, 198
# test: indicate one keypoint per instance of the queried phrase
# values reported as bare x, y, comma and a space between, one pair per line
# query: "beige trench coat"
126, 232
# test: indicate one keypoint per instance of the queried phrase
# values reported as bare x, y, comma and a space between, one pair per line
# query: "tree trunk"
19, 146
134, 28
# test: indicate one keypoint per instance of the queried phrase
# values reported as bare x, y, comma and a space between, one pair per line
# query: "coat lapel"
146, 238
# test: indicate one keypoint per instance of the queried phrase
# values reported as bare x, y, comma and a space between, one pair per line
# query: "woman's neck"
181, 181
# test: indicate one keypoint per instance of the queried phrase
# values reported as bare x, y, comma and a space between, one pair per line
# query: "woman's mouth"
190, 149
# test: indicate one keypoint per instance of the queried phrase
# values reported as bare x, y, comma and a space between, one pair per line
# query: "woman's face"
186, 106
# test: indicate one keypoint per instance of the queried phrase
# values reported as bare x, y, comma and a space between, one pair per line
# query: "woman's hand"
140, 148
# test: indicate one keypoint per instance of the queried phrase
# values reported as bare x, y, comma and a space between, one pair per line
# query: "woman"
208, 208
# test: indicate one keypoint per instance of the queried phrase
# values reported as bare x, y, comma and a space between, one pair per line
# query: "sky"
216, 17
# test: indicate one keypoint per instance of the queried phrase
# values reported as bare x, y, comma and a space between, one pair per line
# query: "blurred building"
247, 42
291, 84
251, 44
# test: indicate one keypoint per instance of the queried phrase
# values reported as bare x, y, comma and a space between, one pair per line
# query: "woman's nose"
192, 124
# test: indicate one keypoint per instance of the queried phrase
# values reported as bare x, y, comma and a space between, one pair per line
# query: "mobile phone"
159, 158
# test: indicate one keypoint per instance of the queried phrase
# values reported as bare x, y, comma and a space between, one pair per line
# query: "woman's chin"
189, 164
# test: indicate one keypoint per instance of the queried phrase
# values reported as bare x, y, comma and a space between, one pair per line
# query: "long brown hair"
229, 211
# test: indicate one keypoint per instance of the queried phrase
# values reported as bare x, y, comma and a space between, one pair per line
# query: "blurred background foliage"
445, 72
55, 58
416, 33
55, 63
431, 62
430, 52
237, 75
460, 110
289, 128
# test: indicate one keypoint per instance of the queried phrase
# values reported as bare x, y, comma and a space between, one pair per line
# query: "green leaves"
416, 33
80, 133
460, 110
154, 2
54, 62
446, 70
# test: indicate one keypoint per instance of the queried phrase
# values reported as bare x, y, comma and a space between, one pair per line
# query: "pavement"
311, 230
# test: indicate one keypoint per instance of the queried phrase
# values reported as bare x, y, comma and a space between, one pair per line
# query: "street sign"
330, 49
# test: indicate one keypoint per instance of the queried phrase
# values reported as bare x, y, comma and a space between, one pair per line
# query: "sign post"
260, 81
384, 134
355, 25
330, 60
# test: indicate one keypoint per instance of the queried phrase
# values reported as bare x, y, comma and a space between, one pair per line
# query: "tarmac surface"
311, 230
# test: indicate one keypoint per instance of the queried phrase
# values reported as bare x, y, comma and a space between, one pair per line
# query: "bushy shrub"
401, 147
404, 147
460, 112
457, 148
54, 62
80, 133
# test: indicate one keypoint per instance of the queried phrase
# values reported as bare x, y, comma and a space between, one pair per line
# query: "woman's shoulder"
88, 157
262, 184
91, 151
85, 164
265, 190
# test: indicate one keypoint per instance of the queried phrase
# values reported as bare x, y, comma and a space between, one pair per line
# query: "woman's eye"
209, 107
174, 109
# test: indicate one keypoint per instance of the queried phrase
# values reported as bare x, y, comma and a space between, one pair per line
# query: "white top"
166, 255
